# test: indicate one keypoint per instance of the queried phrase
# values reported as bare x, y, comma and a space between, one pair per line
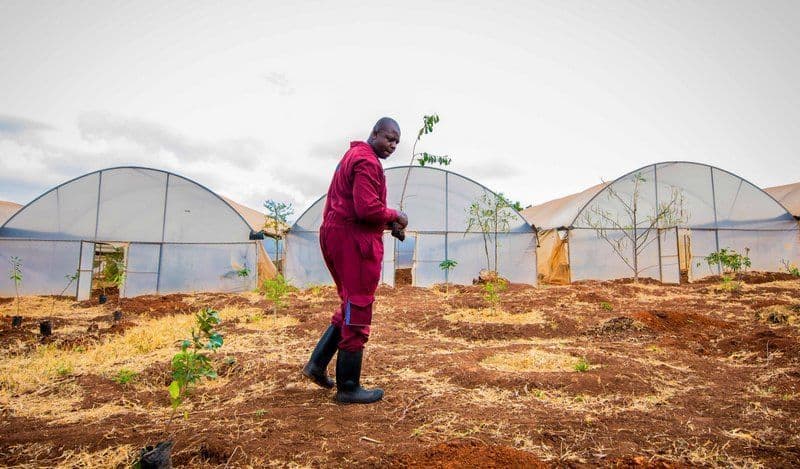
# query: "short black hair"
385, 122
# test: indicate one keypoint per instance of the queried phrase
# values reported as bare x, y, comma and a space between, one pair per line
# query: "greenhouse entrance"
108, 269
404, 260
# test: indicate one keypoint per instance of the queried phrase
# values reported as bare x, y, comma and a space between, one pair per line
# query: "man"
351, 238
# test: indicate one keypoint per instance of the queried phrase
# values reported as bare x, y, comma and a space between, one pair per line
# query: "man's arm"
366, 196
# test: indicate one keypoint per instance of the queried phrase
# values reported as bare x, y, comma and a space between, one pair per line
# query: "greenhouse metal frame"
436, 201
591, 235
177, 235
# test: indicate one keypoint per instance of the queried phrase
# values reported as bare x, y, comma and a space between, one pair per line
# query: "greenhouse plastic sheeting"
196, 215
430, 253
304, 265
45, 264
741, 205
142, 269
670, 260
702, 243
437, 203
131, 205
206, 267
766, 249
65, 213
387, 265
85, 271
595, 258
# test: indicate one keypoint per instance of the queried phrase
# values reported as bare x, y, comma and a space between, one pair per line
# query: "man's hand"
402, 219
398, 232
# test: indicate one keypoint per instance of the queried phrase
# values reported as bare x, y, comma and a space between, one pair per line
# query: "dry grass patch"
62, 401
431, 384
152, 341
491, 316
115, 456
38, 306
533, 360
256, 318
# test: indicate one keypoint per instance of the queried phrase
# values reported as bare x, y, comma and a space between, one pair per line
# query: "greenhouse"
788, 195
447, 222
164, 232
661, 221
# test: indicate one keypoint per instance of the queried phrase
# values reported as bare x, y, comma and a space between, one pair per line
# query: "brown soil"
458, 455
678, 376
402, 277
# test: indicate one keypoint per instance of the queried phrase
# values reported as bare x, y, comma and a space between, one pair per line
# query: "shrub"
191, 364
792, 269
124, 376
730, 261
275, 290
606, 306
492, 290
582, 365
15, 274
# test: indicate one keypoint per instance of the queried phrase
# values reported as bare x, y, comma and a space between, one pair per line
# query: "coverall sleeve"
367, 195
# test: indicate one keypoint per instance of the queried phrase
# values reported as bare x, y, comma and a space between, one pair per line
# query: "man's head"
384, 137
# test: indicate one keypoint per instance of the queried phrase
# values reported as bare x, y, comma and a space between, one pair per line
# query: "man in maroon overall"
351, 238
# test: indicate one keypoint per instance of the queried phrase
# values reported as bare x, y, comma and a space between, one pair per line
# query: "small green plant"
15, 274
582, 365
730, 261
125, 376
192, 363
64, 369
492, 291
447, 265
606, 306
244, 272
275, 290
118, 275
70, 279
792, 269
315, 291
423, 158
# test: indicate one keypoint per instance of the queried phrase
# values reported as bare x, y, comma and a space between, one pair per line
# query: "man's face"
385, 141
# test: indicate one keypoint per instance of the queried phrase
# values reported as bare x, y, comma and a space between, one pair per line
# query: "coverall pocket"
358, 310
367, 246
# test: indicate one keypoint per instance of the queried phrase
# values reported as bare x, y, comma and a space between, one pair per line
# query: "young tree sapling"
15, 274
278, 214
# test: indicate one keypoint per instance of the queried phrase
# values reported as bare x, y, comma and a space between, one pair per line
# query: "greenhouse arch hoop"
436, 201
612, 230
124, 167
628, 174
176, 235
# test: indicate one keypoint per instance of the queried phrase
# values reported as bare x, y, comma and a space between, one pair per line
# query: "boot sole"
318, 380
346, 400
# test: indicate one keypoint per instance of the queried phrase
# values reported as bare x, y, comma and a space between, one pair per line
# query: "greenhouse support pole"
163, 237
446, 224
658, 229
716, 227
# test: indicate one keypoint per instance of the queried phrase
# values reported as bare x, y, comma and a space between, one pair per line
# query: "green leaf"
214, 341
174, 390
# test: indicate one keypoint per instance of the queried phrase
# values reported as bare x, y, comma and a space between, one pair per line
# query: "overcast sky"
258, 100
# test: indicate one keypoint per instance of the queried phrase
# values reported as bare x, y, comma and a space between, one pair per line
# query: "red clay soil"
679, 376
469, 454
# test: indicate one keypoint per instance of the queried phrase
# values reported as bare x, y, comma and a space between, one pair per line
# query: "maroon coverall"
351, 238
